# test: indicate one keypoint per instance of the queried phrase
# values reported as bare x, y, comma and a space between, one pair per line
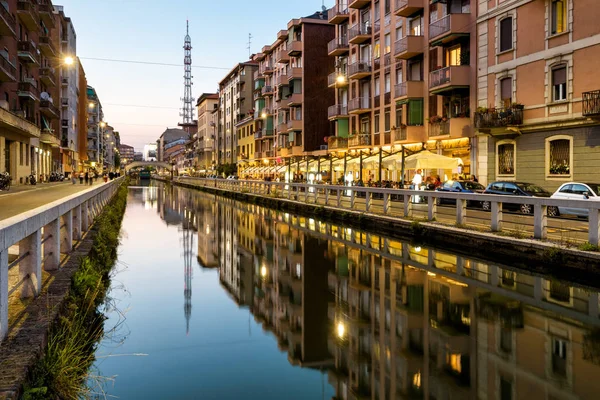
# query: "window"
377, 85
377, 49
387, 43
386, 121
559, 83
559, 16
506, 92
506, 340
387, 83
376, 123
415, 112
559, 356
559, 156
506, 158
399, 33
506, 34
398, 116
414, 27
505, 389
453, 56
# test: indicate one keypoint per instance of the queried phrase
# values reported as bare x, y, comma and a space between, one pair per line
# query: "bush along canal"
62, 371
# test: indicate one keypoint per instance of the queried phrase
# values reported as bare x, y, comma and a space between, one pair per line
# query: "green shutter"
415, 112
342, 125
269, 122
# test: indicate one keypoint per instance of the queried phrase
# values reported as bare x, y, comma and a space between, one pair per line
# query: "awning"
428, 160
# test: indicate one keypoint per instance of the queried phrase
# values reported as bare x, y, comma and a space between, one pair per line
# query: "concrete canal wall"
533, 255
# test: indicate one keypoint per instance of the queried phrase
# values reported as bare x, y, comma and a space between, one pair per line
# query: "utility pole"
249, 45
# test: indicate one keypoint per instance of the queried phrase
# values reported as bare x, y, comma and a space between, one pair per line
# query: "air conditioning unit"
4, 104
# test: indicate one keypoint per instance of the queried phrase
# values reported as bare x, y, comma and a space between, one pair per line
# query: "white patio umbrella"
428, 160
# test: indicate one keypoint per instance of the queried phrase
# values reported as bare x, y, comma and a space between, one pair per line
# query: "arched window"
506, 42
559, 156
506, 158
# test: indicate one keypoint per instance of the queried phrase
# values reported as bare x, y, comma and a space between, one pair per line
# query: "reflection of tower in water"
188, 256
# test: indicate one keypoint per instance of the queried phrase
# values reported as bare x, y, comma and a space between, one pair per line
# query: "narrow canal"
217, 299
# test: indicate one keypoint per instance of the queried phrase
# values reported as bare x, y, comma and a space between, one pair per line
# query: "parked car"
232, 177
460, 187
518, 189
577, 191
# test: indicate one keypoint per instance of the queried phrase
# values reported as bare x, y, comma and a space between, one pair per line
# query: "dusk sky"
153, 31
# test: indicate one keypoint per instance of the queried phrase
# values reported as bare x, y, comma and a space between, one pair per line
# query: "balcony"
282, 57
338, 46
8, 72
337, 143
28, 15
266, 132
46, 12
8, 25
267, 90
27, 52
449, 78
282, 34
267, 69
282, 127
65, 82
336, 79
360, 33
294, 125
295, 48
46, 46
409, 90
294, 73
360, 140
359, 3
49, 109
409, 134
498, 117
449, 28
337, 111
406, 8
453, 127
295, 99
51, 139
209, 144
591, 104
359, 105
47, 76
399, 134
359, 70
409, 47
338, 13
257, 75
28, 89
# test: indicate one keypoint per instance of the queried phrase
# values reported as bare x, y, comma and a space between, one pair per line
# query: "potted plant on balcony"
517, 106
436, 119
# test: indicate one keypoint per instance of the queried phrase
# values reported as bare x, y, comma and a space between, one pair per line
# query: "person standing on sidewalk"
91, 178
81, 175
87, 177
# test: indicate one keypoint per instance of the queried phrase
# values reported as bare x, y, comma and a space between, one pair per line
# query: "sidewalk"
26, 197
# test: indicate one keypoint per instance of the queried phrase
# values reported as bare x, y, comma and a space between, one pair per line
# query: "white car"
577, 191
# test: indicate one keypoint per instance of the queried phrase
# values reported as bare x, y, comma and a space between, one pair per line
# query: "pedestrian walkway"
24, 198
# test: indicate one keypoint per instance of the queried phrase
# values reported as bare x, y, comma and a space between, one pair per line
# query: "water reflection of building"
206, 213
392, 320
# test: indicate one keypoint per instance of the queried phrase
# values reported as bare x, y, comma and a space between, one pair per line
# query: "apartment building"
168, 136
291, 95
82, 117
110, 148
538, 99
247, 153
404, 76
235, 102
95, 128
205, 145
127, 153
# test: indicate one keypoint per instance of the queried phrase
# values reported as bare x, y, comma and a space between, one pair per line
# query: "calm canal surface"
217, 299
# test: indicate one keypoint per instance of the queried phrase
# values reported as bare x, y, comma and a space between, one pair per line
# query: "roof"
207, 96
234, 70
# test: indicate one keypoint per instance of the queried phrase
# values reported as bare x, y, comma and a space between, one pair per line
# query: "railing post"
352, 196
326, 196
386, 203
496, 216
85, 217
3, 293
407, 205
431, 208
594, 227
540, 221
30, 267
77, 234
460, 265
67, 234
339, 198
461, 211
306, 194
52, 245
537, 288
368, 199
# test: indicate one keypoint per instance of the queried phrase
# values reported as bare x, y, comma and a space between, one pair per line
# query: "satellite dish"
45, 96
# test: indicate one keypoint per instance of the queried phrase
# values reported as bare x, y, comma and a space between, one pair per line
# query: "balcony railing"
591, 103
362, 139
401, 89
267, 132
439, 128
399, 133
7, 66
337, 110
359, 103
8, 21
28, 87
336, 142
360, 30
338, 45
439, 27
267, 89
338, 13
337, 79
359, 68
266, 69
498, 117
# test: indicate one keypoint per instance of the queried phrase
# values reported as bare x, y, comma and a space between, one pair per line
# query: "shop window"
506, 34
558, 14
506, 158
559, 155
506, 92
415, 112
559, 83
559, 356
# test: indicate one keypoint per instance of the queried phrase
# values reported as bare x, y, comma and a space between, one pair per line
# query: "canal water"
217, 299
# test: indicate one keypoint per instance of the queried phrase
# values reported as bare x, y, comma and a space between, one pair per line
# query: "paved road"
24, 198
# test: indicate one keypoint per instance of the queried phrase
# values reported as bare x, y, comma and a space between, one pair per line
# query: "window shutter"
506, 88
415, 112
506, 34
559, 76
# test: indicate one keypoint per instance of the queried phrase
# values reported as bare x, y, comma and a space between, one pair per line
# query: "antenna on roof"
323, 6
249, 45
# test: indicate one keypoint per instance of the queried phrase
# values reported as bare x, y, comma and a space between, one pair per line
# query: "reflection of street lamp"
263, 271
341, 330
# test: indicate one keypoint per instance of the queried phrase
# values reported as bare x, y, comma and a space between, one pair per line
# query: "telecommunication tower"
188, 100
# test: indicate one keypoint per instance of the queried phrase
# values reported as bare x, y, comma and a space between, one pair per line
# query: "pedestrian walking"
81, 175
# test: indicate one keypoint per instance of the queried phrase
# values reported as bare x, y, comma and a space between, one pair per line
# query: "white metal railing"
35, 239
412, 203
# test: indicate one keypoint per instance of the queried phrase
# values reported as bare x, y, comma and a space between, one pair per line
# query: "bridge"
139, 164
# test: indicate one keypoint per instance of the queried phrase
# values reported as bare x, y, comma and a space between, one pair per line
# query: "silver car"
577, 191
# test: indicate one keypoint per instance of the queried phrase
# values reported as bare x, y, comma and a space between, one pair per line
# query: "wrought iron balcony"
359, 105
591, 103
8, 71
359, 70
26, 11
449, 27
406, 8
28, 88
27, 52
362, 139
47, 76
399, 134
409, 46
337, 143
46, 12
337, 79
360, 33
338, 46
498, 117
337, 111
338, 13
8, 25
46, 46
449, 78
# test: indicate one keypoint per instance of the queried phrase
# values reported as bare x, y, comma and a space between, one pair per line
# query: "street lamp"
69, 60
